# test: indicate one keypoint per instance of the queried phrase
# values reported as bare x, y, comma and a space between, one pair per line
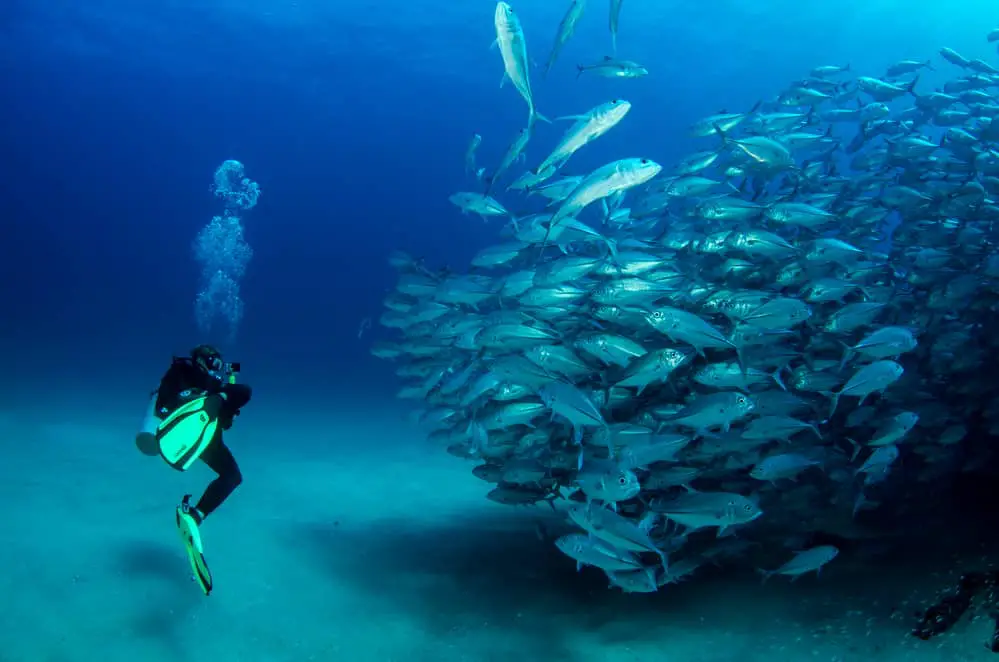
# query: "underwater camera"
227, 372
231, 370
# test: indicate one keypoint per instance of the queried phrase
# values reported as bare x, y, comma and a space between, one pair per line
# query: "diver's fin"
190, 535
185, 434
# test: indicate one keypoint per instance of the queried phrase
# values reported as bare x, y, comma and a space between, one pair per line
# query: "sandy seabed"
352, 539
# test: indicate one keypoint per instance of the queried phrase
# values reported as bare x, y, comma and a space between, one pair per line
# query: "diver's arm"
236, 395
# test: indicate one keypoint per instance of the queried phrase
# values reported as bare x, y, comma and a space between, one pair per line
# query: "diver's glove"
225, 420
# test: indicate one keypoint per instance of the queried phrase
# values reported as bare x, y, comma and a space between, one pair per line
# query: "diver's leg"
219, 458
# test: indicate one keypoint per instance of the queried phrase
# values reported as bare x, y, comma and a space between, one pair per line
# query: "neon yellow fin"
191, 537
185, 434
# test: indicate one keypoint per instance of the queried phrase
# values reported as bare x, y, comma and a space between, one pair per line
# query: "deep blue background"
353, 117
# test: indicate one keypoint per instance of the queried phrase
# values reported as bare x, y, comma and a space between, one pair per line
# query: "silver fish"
615, 18
602, 182
872, 378
588, 551
805, 561
566, 28
513, 48
587, 127
700, 510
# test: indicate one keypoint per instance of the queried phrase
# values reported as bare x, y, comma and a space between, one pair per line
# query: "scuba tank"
145, 438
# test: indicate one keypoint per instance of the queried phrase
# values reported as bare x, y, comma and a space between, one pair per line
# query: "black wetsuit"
182, 376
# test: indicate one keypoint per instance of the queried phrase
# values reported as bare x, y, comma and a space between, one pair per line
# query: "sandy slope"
339, 548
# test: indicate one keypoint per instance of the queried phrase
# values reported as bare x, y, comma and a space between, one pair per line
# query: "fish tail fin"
858, 503
911, 87
612, 247
514, 222
777, 378
764, 574
722, 134
847, 355
544, 242
651, 573
579, 70
648, 521
663, 558
533, 116
566, 492
835, 401
856, 448
738, 357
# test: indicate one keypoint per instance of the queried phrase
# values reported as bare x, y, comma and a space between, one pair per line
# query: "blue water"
353, 117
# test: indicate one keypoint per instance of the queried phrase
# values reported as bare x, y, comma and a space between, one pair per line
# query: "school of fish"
756, 348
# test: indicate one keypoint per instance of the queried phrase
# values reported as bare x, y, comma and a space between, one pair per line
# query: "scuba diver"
197, 399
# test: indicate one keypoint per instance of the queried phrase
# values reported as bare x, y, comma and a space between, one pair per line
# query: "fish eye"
747, 507
644, 161
622, 480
